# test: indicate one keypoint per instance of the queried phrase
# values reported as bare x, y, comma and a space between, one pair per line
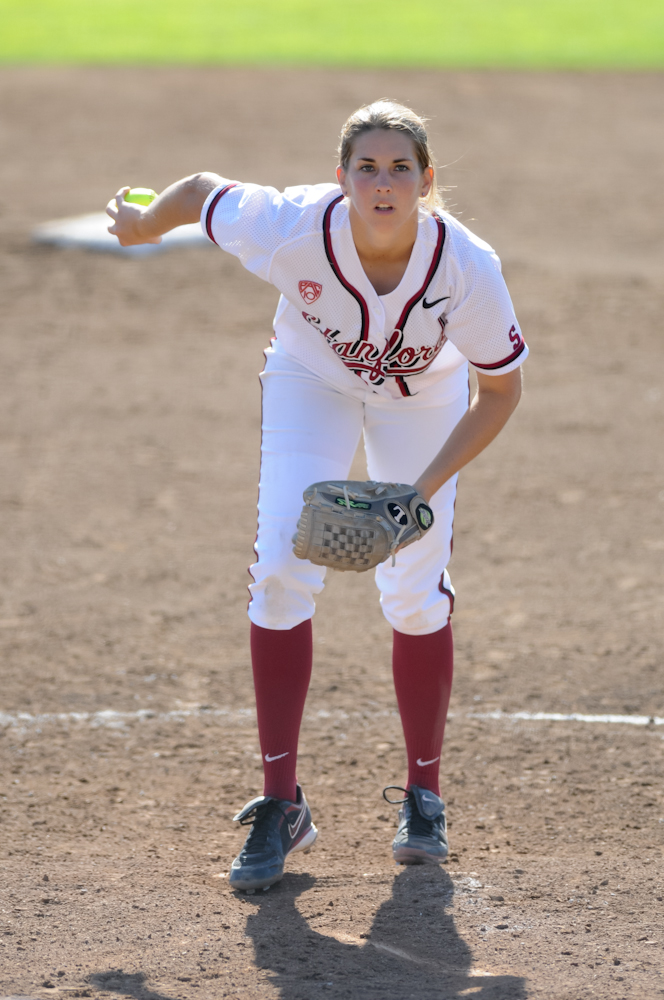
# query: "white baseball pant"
310, 432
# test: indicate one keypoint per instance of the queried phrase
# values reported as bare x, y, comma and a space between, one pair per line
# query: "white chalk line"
626, 720
112, 719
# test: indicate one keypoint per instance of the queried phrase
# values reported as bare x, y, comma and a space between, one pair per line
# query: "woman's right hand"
129, 222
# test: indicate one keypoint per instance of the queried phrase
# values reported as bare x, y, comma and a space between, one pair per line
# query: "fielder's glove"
353, 525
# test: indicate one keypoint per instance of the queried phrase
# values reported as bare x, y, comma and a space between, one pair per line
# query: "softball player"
385, 301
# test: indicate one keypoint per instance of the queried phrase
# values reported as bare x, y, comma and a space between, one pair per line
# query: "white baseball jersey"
451, 305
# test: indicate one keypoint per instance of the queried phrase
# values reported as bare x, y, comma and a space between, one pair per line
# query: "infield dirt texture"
130, 416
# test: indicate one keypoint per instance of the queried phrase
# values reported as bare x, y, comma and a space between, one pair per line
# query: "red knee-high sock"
422, 667
282, 669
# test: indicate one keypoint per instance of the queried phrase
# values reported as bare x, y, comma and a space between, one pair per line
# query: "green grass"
501, 33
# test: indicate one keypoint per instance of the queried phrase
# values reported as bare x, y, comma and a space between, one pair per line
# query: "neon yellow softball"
141, 196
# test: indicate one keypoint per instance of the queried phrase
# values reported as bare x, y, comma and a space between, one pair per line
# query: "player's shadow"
129, 984
412, 950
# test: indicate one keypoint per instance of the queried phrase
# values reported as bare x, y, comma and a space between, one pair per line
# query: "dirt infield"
129, 436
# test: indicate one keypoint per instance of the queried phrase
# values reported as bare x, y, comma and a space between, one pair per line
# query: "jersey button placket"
378, 324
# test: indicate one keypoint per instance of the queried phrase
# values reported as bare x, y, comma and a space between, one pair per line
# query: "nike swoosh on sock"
423, 763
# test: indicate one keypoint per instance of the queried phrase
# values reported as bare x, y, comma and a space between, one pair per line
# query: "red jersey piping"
505, 361
359, 298
211, 207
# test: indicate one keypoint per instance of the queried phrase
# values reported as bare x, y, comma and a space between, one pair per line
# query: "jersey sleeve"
252, 222
480, 321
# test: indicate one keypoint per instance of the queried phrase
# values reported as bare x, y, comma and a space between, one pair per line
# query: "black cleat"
278, 828
422, 834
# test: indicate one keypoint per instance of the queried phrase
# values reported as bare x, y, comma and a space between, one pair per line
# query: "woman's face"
383, 180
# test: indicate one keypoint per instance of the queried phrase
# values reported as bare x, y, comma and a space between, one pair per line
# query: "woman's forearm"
179, 204
496, 400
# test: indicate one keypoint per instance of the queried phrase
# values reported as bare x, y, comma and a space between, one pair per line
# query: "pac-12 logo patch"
310, 290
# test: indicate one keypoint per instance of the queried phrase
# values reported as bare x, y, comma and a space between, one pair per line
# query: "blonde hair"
386, 114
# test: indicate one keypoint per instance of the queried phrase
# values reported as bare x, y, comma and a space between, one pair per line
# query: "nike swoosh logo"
430, 305
294, 828
278, 757
423, 763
